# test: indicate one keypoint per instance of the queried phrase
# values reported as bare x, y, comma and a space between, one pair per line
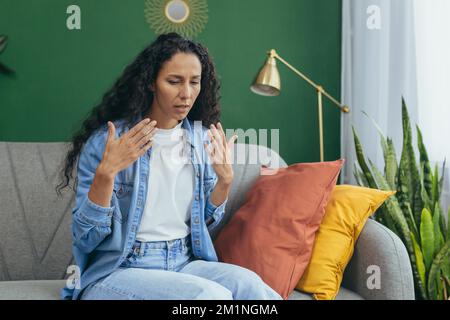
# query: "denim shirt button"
196, 198
197, 242
196, 220
198, 174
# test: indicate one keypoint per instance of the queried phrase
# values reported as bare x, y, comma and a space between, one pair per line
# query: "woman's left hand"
219, 152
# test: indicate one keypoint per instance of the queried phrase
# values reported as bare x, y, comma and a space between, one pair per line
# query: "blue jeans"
167, 270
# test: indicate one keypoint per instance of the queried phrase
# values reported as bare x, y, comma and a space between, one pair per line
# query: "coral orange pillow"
273, 232
345, 216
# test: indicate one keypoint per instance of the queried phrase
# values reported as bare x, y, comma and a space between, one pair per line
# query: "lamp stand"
320, 91
319, 106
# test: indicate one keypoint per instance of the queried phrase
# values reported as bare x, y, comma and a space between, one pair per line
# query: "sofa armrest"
379, 251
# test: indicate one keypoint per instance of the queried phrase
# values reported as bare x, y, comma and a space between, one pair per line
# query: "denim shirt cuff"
94, 214
214, 211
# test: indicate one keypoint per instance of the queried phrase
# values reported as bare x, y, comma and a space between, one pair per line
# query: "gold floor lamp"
267, 83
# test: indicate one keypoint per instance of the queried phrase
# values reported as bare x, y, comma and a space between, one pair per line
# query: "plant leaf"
427, 237
441, 180
384, 145
419, 258
448, 225
410, 219
435, 186
394, 211
438, 238
391, 167
425, 162
441, 183
435, 269
409, 174
426, 201
405, 205
359, 176
362, 162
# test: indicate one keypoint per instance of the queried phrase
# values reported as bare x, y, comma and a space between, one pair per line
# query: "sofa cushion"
345, 216
273, 232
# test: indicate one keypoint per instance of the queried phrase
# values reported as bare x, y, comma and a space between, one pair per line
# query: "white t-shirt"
167, 209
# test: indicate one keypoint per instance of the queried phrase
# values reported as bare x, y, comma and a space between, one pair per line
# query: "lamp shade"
267, 82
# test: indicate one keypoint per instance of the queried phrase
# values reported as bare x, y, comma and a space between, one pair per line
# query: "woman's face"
176, 88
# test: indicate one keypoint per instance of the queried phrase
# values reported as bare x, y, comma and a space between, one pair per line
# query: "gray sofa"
35, 235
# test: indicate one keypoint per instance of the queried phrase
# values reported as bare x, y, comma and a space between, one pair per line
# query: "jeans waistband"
140, 247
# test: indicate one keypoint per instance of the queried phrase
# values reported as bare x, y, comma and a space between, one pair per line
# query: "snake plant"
414, 213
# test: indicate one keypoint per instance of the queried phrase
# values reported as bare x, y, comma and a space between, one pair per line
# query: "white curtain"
392, 49
433, 80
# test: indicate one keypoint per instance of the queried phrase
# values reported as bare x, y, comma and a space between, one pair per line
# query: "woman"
151, 179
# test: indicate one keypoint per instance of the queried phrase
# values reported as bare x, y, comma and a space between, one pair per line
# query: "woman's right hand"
121, 153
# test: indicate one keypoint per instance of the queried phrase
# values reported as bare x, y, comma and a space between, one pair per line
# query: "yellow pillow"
346, 213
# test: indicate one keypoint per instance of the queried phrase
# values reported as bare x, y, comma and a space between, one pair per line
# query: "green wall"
62, 74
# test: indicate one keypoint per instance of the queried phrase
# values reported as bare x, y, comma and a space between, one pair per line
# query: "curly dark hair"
131, 96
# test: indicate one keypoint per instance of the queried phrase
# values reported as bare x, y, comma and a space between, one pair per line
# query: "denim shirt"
103, 236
